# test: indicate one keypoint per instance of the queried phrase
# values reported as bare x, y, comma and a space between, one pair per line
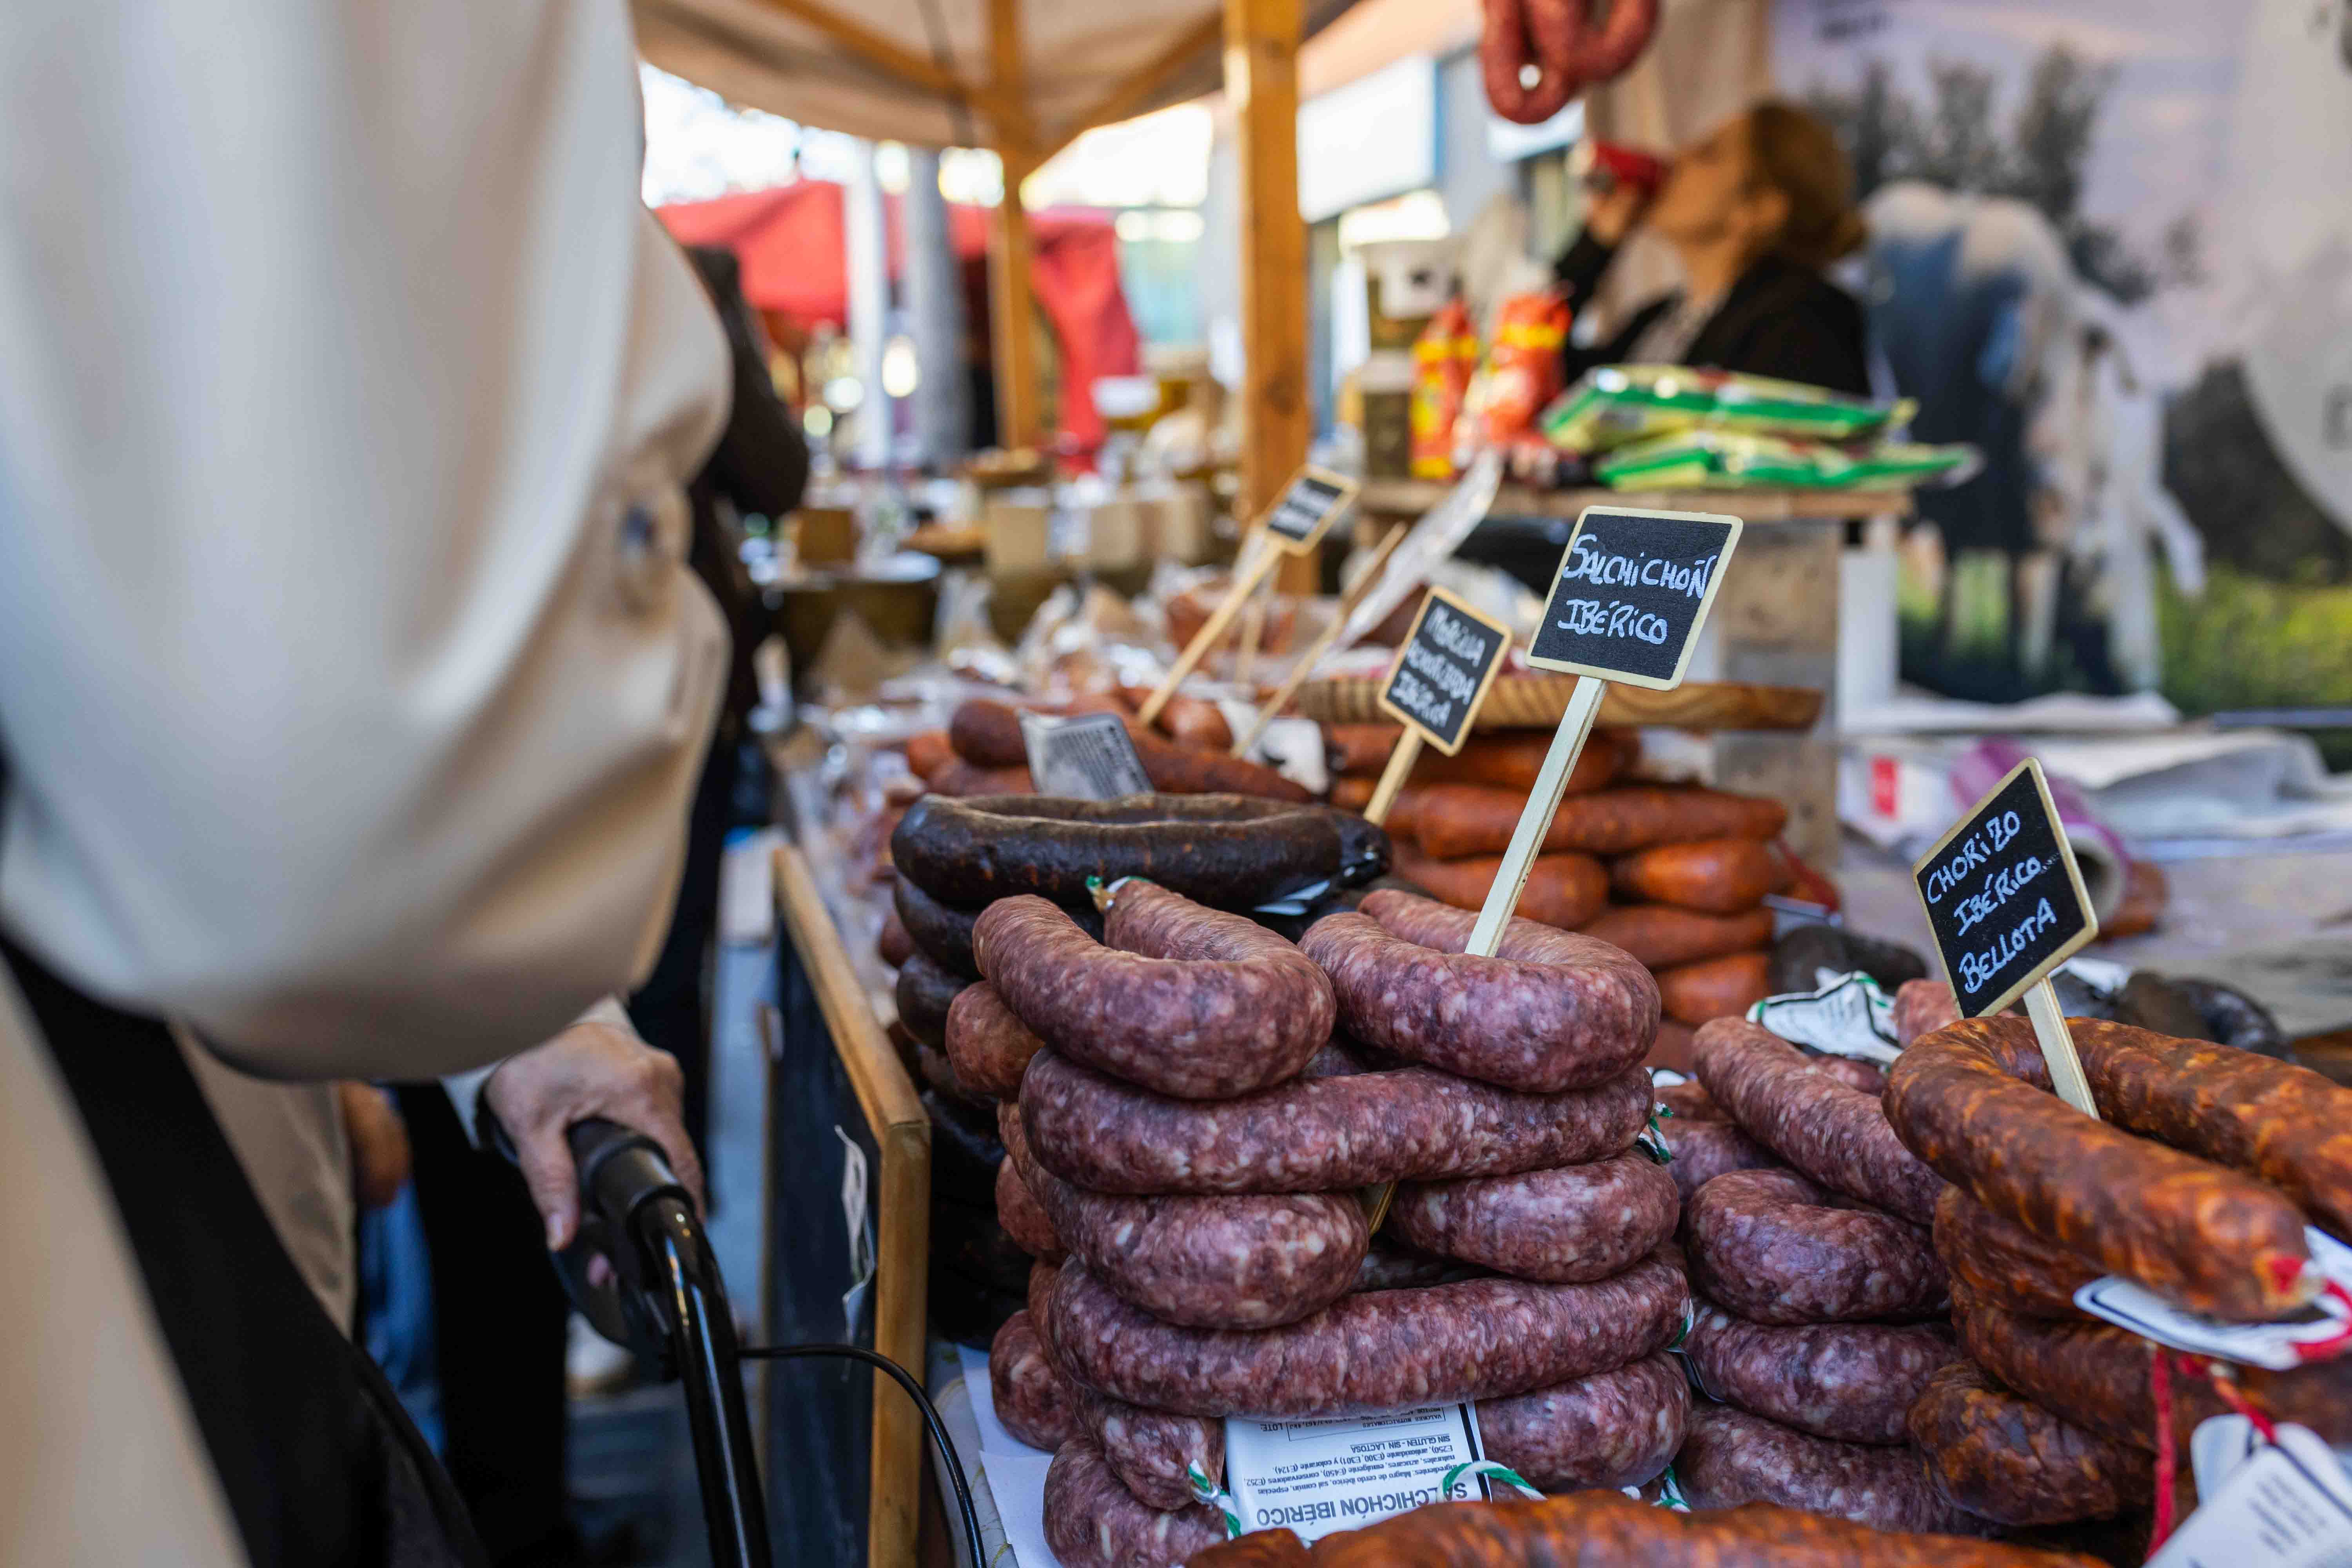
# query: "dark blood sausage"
1614, 1428
1922, 1007
1563, 890
1226, 850
1567, 1224
2004, 1263
1316, 1135
1392, 1268
1552, 1010
1732, 1457
1092, 1520
1023, 1219
1478, 1338
1851, 1382
988, 1048
1832, 1133
925, 990
1503, 53
942, 933
1609, 1529
2009, 1461
1765, 1245
1705, 1150
1455, 820
1155, 1452
1973, 1100
938, 1072
1202, 1004
1662, 936
894, 946
1712, 988
1036, 1403
1716, 876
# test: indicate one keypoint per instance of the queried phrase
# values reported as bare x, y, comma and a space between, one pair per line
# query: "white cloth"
351, 686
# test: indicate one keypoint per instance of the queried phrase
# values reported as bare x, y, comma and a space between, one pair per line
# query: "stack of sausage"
1189, 1136
982, 751
953, 856
1820, 1297
1689, 868
2196, 1182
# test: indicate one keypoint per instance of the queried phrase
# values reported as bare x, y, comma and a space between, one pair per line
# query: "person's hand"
379, 1142
589, 1070
1612, 215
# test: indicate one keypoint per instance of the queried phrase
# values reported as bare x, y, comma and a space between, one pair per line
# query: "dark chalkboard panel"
1631, 593
1312, 503
1443, 671
2003, 894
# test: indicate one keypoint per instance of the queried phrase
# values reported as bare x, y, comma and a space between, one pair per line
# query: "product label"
1090, 757
2277, 1346
1848, 1017
1441, 673
2003, 895
1310, 505
2288, 1506
1632, 592
1341, 1473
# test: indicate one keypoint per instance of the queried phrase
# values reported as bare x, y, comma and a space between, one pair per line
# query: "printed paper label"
1090, 757
2289, 1506
2277, 1346
1341, 1473
1848, 1017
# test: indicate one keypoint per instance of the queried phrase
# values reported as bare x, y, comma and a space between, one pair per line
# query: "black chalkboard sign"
1441, 673
2003, 894
1312, 503
1631, 591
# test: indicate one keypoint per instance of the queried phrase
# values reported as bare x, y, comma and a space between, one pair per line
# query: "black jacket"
1779, 319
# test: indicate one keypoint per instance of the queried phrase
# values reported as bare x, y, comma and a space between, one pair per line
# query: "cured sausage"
960, 780
2004, 1263
1552, 1010
932, 1066
1614, 1428
1834, 1133
927, 750
1564, 891
1922, 1007
1570, 1222
2009, 1461
1035, 1402
1092, 1520
1023, 1219
1689, 1101
1973, 1100
1354, 795
1197, 722
1609, 1529
988, 1048
1226, 1262
1455, 820
1705, 1150
1716, 876
925, 990
1765, 1245
1851, 1382
1478, 1339
1317, 1134
1867, 1077
988, 734
893, 946
1715, 989
1188, 1001
1662, 936
1508, 758
1502, 55
1182, 770
1565, 39
1732, 1457
942, 933
1156, 1453
1226, 850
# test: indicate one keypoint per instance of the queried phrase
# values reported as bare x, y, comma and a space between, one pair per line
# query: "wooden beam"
1262, 85
916, 71
1128, 98
1009, 323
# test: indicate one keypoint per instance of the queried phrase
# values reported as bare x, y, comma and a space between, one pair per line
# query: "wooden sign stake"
1253, 633
1393, 777
1305, 667
1210, 630
1543, 805
2066, 1074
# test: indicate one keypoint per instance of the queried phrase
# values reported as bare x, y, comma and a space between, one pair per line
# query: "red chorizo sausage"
1765, 1245
1197, 722
1716, 876
1552, 1010
2009, 1461
1662, 936
1033, 1401
927, 750
1503, 54
959, 780
1569, 1222
2004, 1263
1454, 820
1614, 1428
1588, 53
988, 1048
988, 734
1851, 1382
1507, 758
1563, 890
1712, 988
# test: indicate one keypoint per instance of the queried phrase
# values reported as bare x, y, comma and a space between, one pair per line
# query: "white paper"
1848, 1017
861, 1233
2289, 1506
1291, 747
1016, 1472
2270, 1345
1089, 757
1315, 1477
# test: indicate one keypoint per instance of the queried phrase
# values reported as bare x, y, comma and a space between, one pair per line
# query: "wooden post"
1543, 805
1393, 777
1009, 320
1262, 85
2058, 1049
1322, 643
1245, 582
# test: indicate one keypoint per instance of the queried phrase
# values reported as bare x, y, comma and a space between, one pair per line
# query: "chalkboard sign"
2003, 894
1631, 591
1312, 503
1090, 757
1441, 673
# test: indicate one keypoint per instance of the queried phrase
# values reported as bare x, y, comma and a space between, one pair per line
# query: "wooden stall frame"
903, 1201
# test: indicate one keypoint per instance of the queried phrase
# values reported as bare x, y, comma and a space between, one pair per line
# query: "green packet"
1731, 459
1614, 405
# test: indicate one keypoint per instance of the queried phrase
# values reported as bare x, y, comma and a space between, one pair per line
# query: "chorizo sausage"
1317, 1134
1766, 1245
1224, 1262
959, 780
1662, 936
1354, 795
1552, 1010
1454, 820
1188, 1001
1196, 722
1834, 1133
1714, 988
1689, 1101
1509, 759
1705, 1150
1503, 54
1569, 1222
1973, 1100
1851, 1382
1715, 875
1563, 890
1732, 1457
1565, 40
925, 990
988, 734
1092, 1520
2009, 1461
1922, 1007
1477, 1339
1023, 1219
1226, 850
927, 750
1614, 1428
1155, 1452
1033, 1401
988, 1046
2004, 1263
1182, 770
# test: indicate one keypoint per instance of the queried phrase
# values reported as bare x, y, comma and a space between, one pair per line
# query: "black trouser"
319, 1462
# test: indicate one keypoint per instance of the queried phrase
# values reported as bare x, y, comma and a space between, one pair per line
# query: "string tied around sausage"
1210, 1493
1500, 1472
2167, 1456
